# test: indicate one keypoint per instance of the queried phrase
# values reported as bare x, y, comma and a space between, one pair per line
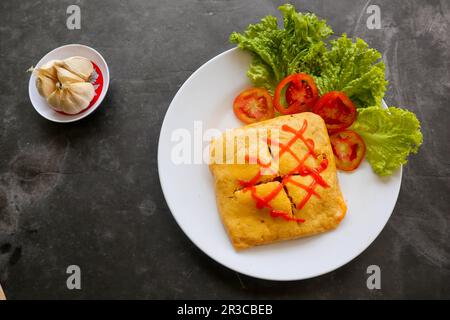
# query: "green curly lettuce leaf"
391, 135
343, 65
352, 67
279, 52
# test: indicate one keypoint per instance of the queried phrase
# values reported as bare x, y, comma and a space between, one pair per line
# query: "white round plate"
207, 96
40, 104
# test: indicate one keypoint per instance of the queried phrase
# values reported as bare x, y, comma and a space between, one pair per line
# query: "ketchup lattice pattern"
301, 169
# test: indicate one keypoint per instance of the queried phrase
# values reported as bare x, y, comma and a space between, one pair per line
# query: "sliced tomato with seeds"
253, 105
349, 149
296, 93
336, 109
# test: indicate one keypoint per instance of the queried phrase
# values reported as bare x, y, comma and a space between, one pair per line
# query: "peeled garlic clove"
48, 69
45, 85
80, 66
76, 97
65, 77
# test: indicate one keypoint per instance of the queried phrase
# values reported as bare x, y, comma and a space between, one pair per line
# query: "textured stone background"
88, 193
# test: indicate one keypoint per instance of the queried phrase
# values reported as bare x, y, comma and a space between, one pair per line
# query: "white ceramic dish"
40, 104
207, 96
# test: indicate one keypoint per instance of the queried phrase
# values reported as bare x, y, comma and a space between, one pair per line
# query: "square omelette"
276, 180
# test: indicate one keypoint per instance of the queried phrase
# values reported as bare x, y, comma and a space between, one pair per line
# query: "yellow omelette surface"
249, 163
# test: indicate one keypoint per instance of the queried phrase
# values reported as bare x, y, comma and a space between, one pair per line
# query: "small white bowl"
40, 104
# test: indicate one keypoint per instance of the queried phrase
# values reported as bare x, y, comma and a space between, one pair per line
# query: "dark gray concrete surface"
88, 193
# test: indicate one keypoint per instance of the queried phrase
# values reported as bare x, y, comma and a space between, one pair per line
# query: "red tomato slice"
336, 109
253, 105
349, 149
301, 94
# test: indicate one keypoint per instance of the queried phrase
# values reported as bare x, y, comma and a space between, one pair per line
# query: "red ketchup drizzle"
301, 169
99, 83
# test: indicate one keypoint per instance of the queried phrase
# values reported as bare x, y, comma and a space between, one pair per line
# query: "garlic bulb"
72, 98
65, 84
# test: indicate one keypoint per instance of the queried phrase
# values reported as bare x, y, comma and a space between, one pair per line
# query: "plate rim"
199, 246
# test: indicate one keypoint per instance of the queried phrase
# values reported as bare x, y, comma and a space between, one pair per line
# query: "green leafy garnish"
279, 52
352, 67
343, 65
390, 136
